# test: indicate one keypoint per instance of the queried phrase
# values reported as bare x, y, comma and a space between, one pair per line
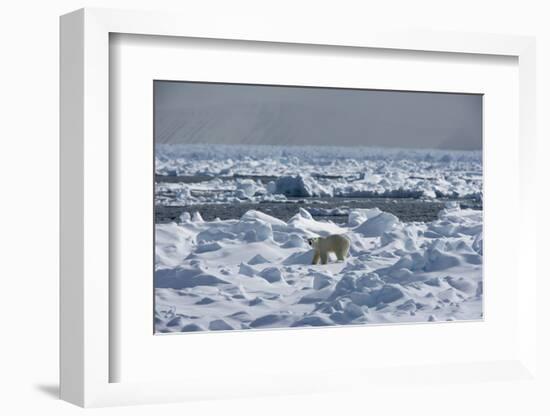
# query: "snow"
377, 225
300, 186
236, 174
256, 272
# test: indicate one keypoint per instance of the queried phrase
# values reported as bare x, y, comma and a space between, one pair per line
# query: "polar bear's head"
313, 242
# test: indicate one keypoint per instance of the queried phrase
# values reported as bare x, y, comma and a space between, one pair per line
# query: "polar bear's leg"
343, 252
324, 257
316, 257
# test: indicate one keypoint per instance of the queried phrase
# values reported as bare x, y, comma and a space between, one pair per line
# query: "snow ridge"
255, 272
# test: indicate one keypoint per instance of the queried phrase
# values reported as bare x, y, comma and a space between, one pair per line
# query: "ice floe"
198, 174
255, 272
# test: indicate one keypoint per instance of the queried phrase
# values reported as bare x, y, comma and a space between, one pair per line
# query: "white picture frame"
86, 304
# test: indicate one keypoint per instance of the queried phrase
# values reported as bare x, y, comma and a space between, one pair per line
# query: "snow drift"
255, 272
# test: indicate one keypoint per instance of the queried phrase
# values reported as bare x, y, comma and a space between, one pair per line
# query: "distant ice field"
198, 174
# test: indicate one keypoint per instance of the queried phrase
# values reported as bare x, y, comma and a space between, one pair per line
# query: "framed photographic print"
262, 211
288, 207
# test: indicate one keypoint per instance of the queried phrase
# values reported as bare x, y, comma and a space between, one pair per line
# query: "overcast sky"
252, 114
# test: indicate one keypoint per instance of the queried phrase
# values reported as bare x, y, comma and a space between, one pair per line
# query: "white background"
29, 209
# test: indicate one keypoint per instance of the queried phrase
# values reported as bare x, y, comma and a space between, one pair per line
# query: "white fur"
335, 243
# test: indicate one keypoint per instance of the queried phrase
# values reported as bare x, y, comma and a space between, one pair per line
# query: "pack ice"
307, 171
255, 272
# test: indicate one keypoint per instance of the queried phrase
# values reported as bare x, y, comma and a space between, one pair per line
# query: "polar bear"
335, 243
